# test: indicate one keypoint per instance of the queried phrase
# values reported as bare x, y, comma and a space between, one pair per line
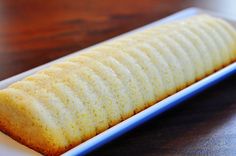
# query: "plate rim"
152, 111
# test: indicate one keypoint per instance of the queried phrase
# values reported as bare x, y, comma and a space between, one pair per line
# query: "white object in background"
12, 148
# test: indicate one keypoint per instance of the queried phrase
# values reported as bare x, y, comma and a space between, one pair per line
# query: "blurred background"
33, 32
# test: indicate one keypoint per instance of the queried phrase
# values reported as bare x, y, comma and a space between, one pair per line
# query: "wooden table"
35, 32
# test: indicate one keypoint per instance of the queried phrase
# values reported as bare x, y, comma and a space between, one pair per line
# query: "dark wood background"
33, 32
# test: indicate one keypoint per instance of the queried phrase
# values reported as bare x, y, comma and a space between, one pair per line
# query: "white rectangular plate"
10, 147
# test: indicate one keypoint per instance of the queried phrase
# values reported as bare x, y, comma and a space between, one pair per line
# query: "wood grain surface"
34, 32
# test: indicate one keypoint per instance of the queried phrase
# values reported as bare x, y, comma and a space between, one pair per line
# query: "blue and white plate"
10, 147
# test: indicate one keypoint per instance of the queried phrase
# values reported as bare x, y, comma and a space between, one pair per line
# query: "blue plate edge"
125, 126
205, 83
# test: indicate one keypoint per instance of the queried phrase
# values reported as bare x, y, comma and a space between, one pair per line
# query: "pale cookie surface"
70, 102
